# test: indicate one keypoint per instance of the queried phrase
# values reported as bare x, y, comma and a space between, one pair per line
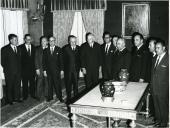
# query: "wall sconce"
40, 12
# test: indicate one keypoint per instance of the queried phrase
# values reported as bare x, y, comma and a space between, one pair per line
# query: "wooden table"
125, 105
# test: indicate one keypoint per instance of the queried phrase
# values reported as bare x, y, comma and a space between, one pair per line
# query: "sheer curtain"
94, 23
78, 28
11, 22
62, 24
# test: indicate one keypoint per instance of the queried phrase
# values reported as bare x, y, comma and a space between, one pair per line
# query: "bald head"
52, 41
120, 44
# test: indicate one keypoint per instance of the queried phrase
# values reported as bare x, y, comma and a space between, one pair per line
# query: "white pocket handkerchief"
164, 66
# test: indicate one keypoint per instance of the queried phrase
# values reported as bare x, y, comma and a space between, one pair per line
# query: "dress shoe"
19, 101
61, 100
11, 103
25, 98
48, 100
157, 124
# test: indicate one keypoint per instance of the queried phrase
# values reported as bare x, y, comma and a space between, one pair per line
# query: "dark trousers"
71, 81
41, 86
13, 84
107, 73
54, 81
28, 80
92, 78
161, 105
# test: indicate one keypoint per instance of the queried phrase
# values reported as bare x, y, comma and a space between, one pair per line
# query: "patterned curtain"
62, 24
14, 4
94, 23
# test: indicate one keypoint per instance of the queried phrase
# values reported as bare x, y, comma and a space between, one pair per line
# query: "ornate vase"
124, 75
107, 90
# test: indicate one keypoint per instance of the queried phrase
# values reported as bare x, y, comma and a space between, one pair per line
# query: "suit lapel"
162, 61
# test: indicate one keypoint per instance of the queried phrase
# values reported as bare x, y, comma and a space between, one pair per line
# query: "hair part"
11, 36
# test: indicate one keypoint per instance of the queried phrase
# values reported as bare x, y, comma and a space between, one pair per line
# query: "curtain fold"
94, 23
15, 22
14, 4
78, 4
62, 24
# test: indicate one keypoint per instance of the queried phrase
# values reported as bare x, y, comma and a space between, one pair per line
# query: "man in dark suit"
114, 41
41, 82
152, 55
138, 68
53, 69
107, 49
91, 60
122, 58
71, 57
11, 63
28, 67
160, 84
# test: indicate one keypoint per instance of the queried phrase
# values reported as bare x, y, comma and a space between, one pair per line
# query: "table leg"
73, 118
116, 123
132, 124
108, 122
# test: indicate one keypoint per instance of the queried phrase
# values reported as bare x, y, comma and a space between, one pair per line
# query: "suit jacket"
27, 61
122, 61
90, 57
149, 67
107, 58
138, 68
39, 58
53, 63
10, 61
160, 77
71, 59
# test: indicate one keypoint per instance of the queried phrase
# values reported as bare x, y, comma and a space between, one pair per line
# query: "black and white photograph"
84, 63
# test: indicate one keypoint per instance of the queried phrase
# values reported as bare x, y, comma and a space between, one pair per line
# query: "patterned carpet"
55, 114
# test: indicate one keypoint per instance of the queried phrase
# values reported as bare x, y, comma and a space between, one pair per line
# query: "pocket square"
164, 66
57, 53
111, 51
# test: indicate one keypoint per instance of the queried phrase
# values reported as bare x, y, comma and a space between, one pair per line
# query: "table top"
127, 99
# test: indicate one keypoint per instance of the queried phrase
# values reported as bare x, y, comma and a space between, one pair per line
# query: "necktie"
107, 48
51, 50
73, 48
29, 50
157, 62
15, 50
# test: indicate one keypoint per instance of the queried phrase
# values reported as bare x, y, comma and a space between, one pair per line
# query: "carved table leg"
116, 123
73, 118
108, 122
132, 124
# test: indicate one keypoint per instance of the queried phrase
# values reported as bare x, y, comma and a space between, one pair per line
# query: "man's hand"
141, 80
45, 74
38, 72
84, 71
62, 74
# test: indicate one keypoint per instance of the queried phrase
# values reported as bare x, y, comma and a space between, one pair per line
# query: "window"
78, 29
12, 22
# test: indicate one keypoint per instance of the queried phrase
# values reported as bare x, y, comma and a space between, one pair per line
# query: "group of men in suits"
48, 64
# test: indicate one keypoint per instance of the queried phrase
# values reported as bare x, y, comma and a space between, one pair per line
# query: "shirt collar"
139, 46
154, 53
161, 56
108, 43
13, 46
122, 49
